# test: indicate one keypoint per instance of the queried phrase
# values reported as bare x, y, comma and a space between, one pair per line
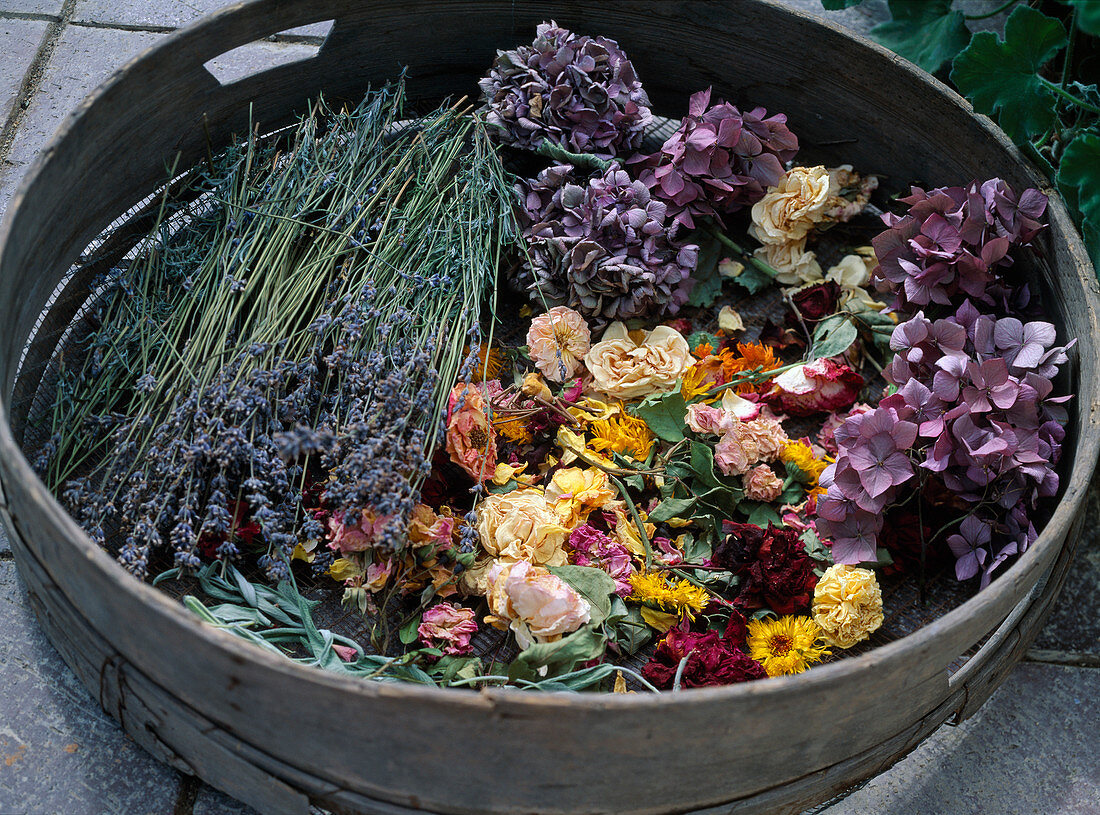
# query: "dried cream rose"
789, 210
519, 525
847, 604
853, 275
794, 264
629, 365
536, 605
557, 342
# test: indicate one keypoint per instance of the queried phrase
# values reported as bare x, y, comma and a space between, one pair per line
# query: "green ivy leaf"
837, 5
926, 32
594, 585
1001, 78
1079, 180
664, 413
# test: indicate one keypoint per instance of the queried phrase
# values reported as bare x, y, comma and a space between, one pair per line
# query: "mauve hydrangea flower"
954, 240
969, 547
720, 160
577, 91
601, 247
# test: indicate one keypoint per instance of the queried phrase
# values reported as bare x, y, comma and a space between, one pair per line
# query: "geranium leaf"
1001, 78
926, 32
1079, 177
1088, 16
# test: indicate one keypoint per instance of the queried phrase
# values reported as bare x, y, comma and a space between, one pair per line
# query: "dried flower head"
719, 160
788, 645
577, 91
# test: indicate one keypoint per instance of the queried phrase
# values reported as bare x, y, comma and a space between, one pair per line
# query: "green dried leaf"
558, 657
926, 32
407, 633
582, 161
708, 283
1079, 180
664, 413
671, 508
1002, 79
832, 339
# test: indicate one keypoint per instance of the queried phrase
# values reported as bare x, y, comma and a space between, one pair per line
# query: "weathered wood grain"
363, 747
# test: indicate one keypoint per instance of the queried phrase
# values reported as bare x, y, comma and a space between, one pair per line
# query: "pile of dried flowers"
637, 474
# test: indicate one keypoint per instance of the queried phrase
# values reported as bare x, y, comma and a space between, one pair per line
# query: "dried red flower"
710, 661
775, 570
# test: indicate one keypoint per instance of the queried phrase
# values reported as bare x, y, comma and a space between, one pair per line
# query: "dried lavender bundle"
287, 336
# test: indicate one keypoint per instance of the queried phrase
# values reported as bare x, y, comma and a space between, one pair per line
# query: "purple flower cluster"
601, 247
577, 91
973, 408
953, 241
718, 161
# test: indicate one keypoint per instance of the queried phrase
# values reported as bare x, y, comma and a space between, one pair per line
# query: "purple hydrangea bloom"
969, 546
955, 241
577, 91
720, 160
601, 247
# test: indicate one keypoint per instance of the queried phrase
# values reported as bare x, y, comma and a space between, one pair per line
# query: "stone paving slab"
83, 58
59, 753
162, 15
21, 40
1033, 748
45, 8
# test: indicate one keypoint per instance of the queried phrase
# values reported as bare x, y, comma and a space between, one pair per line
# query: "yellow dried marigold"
655, 590
623, 434
788, 645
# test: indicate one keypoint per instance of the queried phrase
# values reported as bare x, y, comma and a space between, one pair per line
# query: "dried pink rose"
708, 420
822, 385
357, 537
762, 484
471, 439
557, 342
747, 443
535, 604
448, 627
